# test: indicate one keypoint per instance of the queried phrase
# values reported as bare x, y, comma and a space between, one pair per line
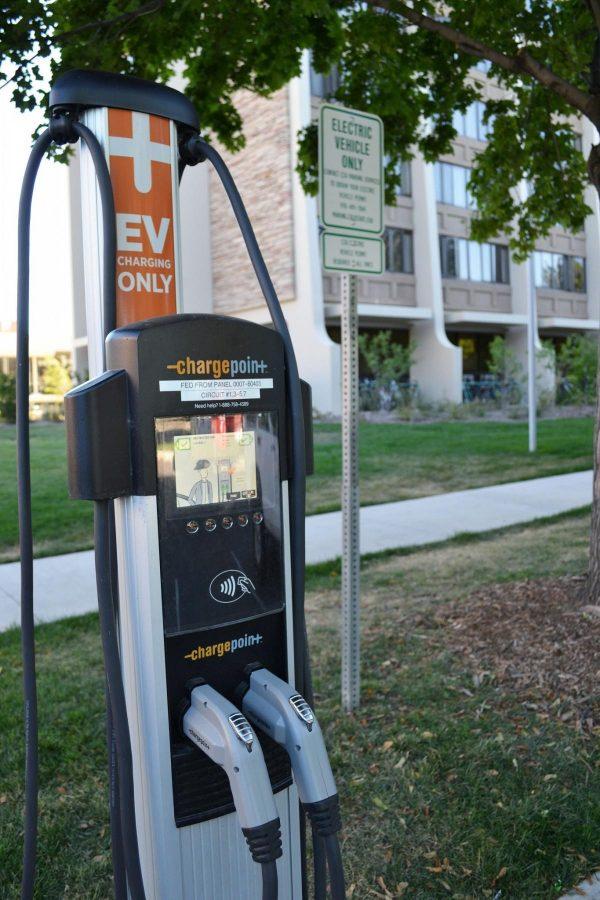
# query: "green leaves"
530, 153
222, 45
413, 78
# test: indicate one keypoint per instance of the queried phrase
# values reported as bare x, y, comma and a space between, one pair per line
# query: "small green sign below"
352, 253
350, 170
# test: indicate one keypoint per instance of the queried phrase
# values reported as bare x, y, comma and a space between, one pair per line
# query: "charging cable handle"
274, 706
219, 729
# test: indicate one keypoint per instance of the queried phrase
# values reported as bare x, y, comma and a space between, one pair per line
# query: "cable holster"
62, 127
190, 150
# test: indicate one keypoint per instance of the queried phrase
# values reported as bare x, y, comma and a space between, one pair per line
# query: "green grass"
60, 524
434, 768
397, 462
443, 783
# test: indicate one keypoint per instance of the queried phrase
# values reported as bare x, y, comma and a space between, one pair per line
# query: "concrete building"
451, 295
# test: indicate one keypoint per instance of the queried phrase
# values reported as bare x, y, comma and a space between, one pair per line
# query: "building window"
559, 271
402, 169
324, 85
451, 185
471, 261
470, 123
398, 250
476, 351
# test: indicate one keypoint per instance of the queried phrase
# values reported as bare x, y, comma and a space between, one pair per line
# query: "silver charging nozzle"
285, 716
220, 730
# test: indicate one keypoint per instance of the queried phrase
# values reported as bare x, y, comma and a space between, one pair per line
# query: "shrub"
8, 397
390, 364
577, 369
56, 378
507, 369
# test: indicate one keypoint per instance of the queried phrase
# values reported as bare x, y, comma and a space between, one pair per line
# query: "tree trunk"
594, 567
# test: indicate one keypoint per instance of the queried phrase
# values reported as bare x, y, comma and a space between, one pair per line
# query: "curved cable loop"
64, 129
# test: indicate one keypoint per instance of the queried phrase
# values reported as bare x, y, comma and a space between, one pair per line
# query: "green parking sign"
350, 170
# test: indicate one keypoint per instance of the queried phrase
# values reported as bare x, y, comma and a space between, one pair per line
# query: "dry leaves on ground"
538, 639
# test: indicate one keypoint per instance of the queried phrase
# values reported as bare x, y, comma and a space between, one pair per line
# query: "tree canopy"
409, 63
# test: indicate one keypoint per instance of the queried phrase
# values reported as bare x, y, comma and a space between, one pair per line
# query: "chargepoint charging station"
192, 437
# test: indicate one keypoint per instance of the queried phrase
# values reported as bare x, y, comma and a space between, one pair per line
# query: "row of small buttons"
227, 522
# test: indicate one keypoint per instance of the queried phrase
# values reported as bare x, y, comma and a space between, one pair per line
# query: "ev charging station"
192, 437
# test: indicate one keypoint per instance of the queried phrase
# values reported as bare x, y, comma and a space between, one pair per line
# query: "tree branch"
594, 8
123, 19
22, 65
522, 63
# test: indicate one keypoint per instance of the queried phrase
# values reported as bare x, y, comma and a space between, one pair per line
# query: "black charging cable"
335, 866
194, 150
25, 525
264, 842
64, 129
270, 887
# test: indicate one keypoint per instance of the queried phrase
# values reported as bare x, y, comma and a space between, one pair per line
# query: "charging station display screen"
214, 468
220, 519
218, 465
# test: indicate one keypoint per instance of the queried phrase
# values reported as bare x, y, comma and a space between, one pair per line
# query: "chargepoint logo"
222, 648
230, 586
216, 368
199, 739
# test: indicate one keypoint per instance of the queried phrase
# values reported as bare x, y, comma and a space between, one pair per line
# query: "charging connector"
220, 730
275, 707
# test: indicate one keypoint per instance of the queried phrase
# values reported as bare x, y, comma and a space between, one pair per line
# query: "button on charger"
257, 518
210, 524
227, 522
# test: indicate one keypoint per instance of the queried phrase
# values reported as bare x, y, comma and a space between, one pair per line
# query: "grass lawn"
399, 461
396, 462
452, 783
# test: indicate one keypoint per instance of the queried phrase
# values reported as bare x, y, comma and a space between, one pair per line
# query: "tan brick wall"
262, 171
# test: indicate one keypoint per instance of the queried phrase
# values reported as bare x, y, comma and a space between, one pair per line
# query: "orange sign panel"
141, 173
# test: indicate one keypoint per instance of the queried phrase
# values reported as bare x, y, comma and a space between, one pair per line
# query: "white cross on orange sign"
142, 150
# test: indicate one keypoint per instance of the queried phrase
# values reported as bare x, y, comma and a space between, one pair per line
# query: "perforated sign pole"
351, 203
350, 498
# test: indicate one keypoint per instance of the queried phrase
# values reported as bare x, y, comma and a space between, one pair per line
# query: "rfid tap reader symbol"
230, 585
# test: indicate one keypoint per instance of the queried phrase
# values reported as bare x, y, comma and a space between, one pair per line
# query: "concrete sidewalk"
65, 585
589, 888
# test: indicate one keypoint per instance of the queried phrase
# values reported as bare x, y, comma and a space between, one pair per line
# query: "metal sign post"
350, 498
351, 203
531, 353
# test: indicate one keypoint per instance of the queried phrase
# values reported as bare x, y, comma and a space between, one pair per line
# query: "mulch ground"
538, 641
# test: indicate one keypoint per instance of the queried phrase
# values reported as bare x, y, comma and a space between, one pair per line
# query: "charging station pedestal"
192, 421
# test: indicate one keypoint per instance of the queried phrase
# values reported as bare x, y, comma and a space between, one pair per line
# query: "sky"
51, 282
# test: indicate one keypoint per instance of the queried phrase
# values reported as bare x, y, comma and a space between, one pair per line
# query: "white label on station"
350, 169
218, 388
350, 253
